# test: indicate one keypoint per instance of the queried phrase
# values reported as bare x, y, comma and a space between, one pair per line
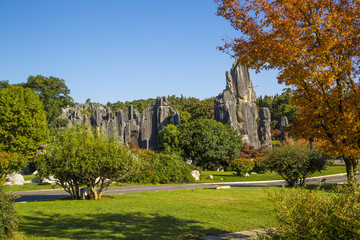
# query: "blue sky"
118, 50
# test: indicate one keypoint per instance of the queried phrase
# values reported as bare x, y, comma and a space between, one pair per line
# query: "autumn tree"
315, 46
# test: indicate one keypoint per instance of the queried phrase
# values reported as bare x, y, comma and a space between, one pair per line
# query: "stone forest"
235, 106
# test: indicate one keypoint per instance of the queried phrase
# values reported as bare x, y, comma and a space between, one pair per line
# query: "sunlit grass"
148, 215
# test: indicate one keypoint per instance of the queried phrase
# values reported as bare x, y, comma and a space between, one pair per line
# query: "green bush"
259, 165
242, 165
305, 214
295, 162
8, 219
160, 168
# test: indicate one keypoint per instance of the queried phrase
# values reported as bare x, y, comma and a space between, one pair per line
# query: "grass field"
217, 177
150, 215
230, 177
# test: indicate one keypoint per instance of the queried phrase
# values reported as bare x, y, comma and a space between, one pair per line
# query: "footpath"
236, 236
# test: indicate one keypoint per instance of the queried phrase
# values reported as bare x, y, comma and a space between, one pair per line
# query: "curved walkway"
41, 195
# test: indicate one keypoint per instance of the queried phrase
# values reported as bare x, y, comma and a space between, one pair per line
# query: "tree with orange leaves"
315, 45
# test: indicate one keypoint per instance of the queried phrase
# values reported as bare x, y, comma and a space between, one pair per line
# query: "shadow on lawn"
113, 226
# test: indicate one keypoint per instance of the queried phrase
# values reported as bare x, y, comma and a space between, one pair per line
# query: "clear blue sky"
120, 50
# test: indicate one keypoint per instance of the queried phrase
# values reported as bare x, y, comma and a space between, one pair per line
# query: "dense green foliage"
160, 168
54, 94
242, 165
22, 120
192, 108
139, 104
280, 106
8, 218
10, 162
79, 156
208, 143
295, 162
305, 214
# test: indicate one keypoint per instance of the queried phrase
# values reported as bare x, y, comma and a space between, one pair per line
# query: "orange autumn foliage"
315, 46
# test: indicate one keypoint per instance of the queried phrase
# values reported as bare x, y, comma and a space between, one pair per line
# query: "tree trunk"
94, 193
351, 166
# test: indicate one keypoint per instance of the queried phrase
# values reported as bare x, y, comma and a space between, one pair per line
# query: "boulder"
236, 105
49, 180
36, 180
14, 179
196, 175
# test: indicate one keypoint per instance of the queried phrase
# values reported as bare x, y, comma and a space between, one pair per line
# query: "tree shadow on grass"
113, 226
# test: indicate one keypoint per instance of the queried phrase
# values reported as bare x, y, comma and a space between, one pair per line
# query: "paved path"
41, 195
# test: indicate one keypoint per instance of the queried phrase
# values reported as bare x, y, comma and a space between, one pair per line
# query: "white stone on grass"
196, 175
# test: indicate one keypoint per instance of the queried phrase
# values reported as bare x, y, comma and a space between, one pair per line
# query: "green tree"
295, 162
79, 156
169, 139
54, 95
209, 143
22, 120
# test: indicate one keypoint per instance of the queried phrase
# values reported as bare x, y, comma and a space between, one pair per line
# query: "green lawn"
149, 215
218, 177
230, 177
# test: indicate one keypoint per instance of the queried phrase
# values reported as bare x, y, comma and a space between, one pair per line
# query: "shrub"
79, 156
242, 165
160, 168
8, 220
10, 162
249, 151
295, 162
305, 214
259, 165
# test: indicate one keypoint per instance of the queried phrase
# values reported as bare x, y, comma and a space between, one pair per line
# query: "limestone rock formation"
153, 119
264, 127
284, 123
131, 128
236, 105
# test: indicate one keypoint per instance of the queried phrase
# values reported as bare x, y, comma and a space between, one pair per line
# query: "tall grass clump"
8, 219
315, 214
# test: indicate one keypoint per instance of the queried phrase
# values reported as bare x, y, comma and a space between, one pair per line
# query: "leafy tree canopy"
53, 93
22, 120
79, 156
209, 143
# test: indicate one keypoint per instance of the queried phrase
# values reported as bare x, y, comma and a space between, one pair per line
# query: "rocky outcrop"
264, 127
284, 123
153, 119
236, 105
131, 128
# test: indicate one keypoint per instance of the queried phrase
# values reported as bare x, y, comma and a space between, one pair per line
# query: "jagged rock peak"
236, 105
239, 84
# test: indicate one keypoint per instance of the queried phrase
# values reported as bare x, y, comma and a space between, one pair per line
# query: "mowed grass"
268, 176
180, 214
